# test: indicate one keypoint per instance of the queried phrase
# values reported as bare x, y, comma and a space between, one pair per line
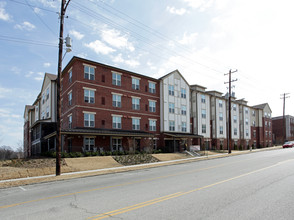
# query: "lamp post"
64, 5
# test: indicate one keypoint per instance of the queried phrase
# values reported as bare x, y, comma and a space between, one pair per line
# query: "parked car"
288, 144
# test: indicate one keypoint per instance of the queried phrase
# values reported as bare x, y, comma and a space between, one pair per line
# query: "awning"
182, 135
101, 132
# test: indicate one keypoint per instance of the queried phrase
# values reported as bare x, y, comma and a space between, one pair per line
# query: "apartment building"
40, 119
104, 108
218, 106
201, 114
108, 109
261, 129
283, 129
175, 112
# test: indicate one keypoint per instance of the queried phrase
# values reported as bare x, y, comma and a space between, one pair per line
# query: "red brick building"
283, 129
108, 109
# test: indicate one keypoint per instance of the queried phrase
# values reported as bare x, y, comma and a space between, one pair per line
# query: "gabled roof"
262, 106
28, 108
173, 72
50, 76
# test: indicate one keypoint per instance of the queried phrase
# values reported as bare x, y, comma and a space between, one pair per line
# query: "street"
251, 186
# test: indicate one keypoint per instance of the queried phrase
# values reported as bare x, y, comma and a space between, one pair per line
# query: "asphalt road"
251, 186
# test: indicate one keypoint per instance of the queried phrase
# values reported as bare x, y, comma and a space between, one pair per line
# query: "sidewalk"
70, 175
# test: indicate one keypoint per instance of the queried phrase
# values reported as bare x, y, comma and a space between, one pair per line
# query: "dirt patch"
170, 156
127, 160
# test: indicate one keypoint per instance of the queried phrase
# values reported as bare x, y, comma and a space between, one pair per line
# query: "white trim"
135, 97
69, 70
152, 119
85, 64
135, 77
152, 100
114, 93
86, 112
114, 115
133, 117
69, 115
116, 72
87, 88
152, 82
69, 92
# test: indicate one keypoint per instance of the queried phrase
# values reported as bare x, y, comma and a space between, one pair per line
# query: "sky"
203, 39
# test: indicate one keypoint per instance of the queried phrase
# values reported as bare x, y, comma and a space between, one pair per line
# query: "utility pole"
64, 5
284, 97
230, 120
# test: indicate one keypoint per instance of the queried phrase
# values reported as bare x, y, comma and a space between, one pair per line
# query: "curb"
133, 167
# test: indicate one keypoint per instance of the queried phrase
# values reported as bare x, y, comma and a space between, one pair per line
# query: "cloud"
188, 39
39, 77
99, 47
4, 92
130, 62
47, 64
173, 10
25, 26
116, 39
15, 70
76, 34
29, 74
49, 3
38, 11
202, 5
3, 14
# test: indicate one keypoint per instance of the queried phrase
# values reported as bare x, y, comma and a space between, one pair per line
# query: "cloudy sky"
203, 39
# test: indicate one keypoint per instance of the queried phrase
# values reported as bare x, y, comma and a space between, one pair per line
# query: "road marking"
22, 188
123, 184
171, 196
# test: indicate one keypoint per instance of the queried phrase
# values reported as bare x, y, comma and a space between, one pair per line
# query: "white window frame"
116, 79
88, 73
171, 90
135, 103
152, 106
89, 119
184, 110
116, 100
116, 121
152, 87
171, 108
89, 143
135, 83
152, 125
171, 125
183, 93
136, 124
116, 144
184, 127
70, 121
203, 113
89, 95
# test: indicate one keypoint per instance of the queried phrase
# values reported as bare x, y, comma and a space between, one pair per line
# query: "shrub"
72, 155
79, 154
87, 154
94, 153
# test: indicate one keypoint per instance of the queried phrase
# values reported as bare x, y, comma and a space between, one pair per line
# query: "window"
89, 120
235, 131
136, 123
43, 115
184, 127
253, 113
89, 143
116, 144
220, 103
69, 98
152, 87
183, 110
221, 118
89, 96
116, 122
171, 125
70, 121
152, 106
47, 112
234, 107
89, 72
43, 98
266, 134
135, 103
203, 129
235, 118
171, 90
135, 83
116, 79
265, 123
47, 93
203, 113
254, 134
246, 121
171, 108
116, 100
246, 110
183, 93
247, 132
70, 76
102, 100
203, 99
221, 130
152, 125
253, 123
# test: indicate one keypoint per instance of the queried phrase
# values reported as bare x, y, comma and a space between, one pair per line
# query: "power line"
25, 41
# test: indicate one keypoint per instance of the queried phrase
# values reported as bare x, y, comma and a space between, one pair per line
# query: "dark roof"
261, 106
182, 135
100, 131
